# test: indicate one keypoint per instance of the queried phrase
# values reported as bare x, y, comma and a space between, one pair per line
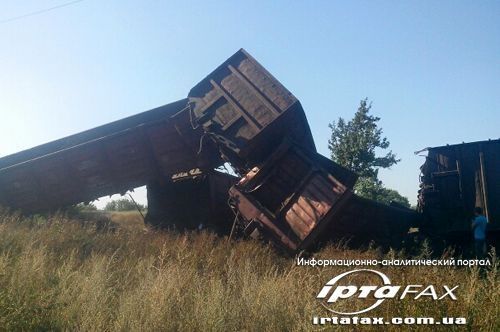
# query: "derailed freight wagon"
105, 160
455, 179
239, 106
364, 220
293, 197
294, 193
247, 111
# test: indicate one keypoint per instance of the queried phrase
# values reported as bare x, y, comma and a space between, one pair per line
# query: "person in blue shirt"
479, 228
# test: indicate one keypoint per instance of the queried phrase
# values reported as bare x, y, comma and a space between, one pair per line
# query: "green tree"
353, 144
85, 207
122, 204
374, 189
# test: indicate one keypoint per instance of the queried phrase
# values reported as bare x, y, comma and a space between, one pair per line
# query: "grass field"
60, 274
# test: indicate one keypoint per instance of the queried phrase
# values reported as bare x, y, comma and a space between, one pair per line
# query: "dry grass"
129, 220
57, 274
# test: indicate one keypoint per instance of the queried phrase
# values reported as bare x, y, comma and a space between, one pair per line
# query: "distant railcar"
364, 220
455, 179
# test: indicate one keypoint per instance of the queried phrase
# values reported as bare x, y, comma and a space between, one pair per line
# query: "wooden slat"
297, 224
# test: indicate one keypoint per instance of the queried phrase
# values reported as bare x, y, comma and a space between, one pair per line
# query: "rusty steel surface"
106, 160
455, 179
291, 197
247, 111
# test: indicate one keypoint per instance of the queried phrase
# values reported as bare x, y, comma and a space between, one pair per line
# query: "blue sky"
432, 69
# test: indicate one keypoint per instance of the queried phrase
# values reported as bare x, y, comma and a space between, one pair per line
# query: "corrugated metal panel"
491, 154
156, 114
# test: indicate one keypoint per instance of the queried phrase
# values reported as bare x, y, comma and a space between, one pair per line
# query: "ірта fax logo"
334, 293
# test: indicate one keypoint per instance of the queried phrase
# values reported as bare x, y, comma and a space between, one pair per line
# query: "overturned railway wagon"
455, 179
239, 111
293, 197
247, 111
109, 159
298, 197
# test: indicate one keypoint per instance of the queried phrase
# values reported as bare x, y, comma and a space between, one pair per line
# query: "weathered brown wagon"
247, 111
293, 196
109, 159
455, 179
364, 220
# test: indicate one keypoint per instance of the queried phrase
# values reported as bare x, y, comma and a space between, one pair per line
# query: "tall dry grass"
59, 274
